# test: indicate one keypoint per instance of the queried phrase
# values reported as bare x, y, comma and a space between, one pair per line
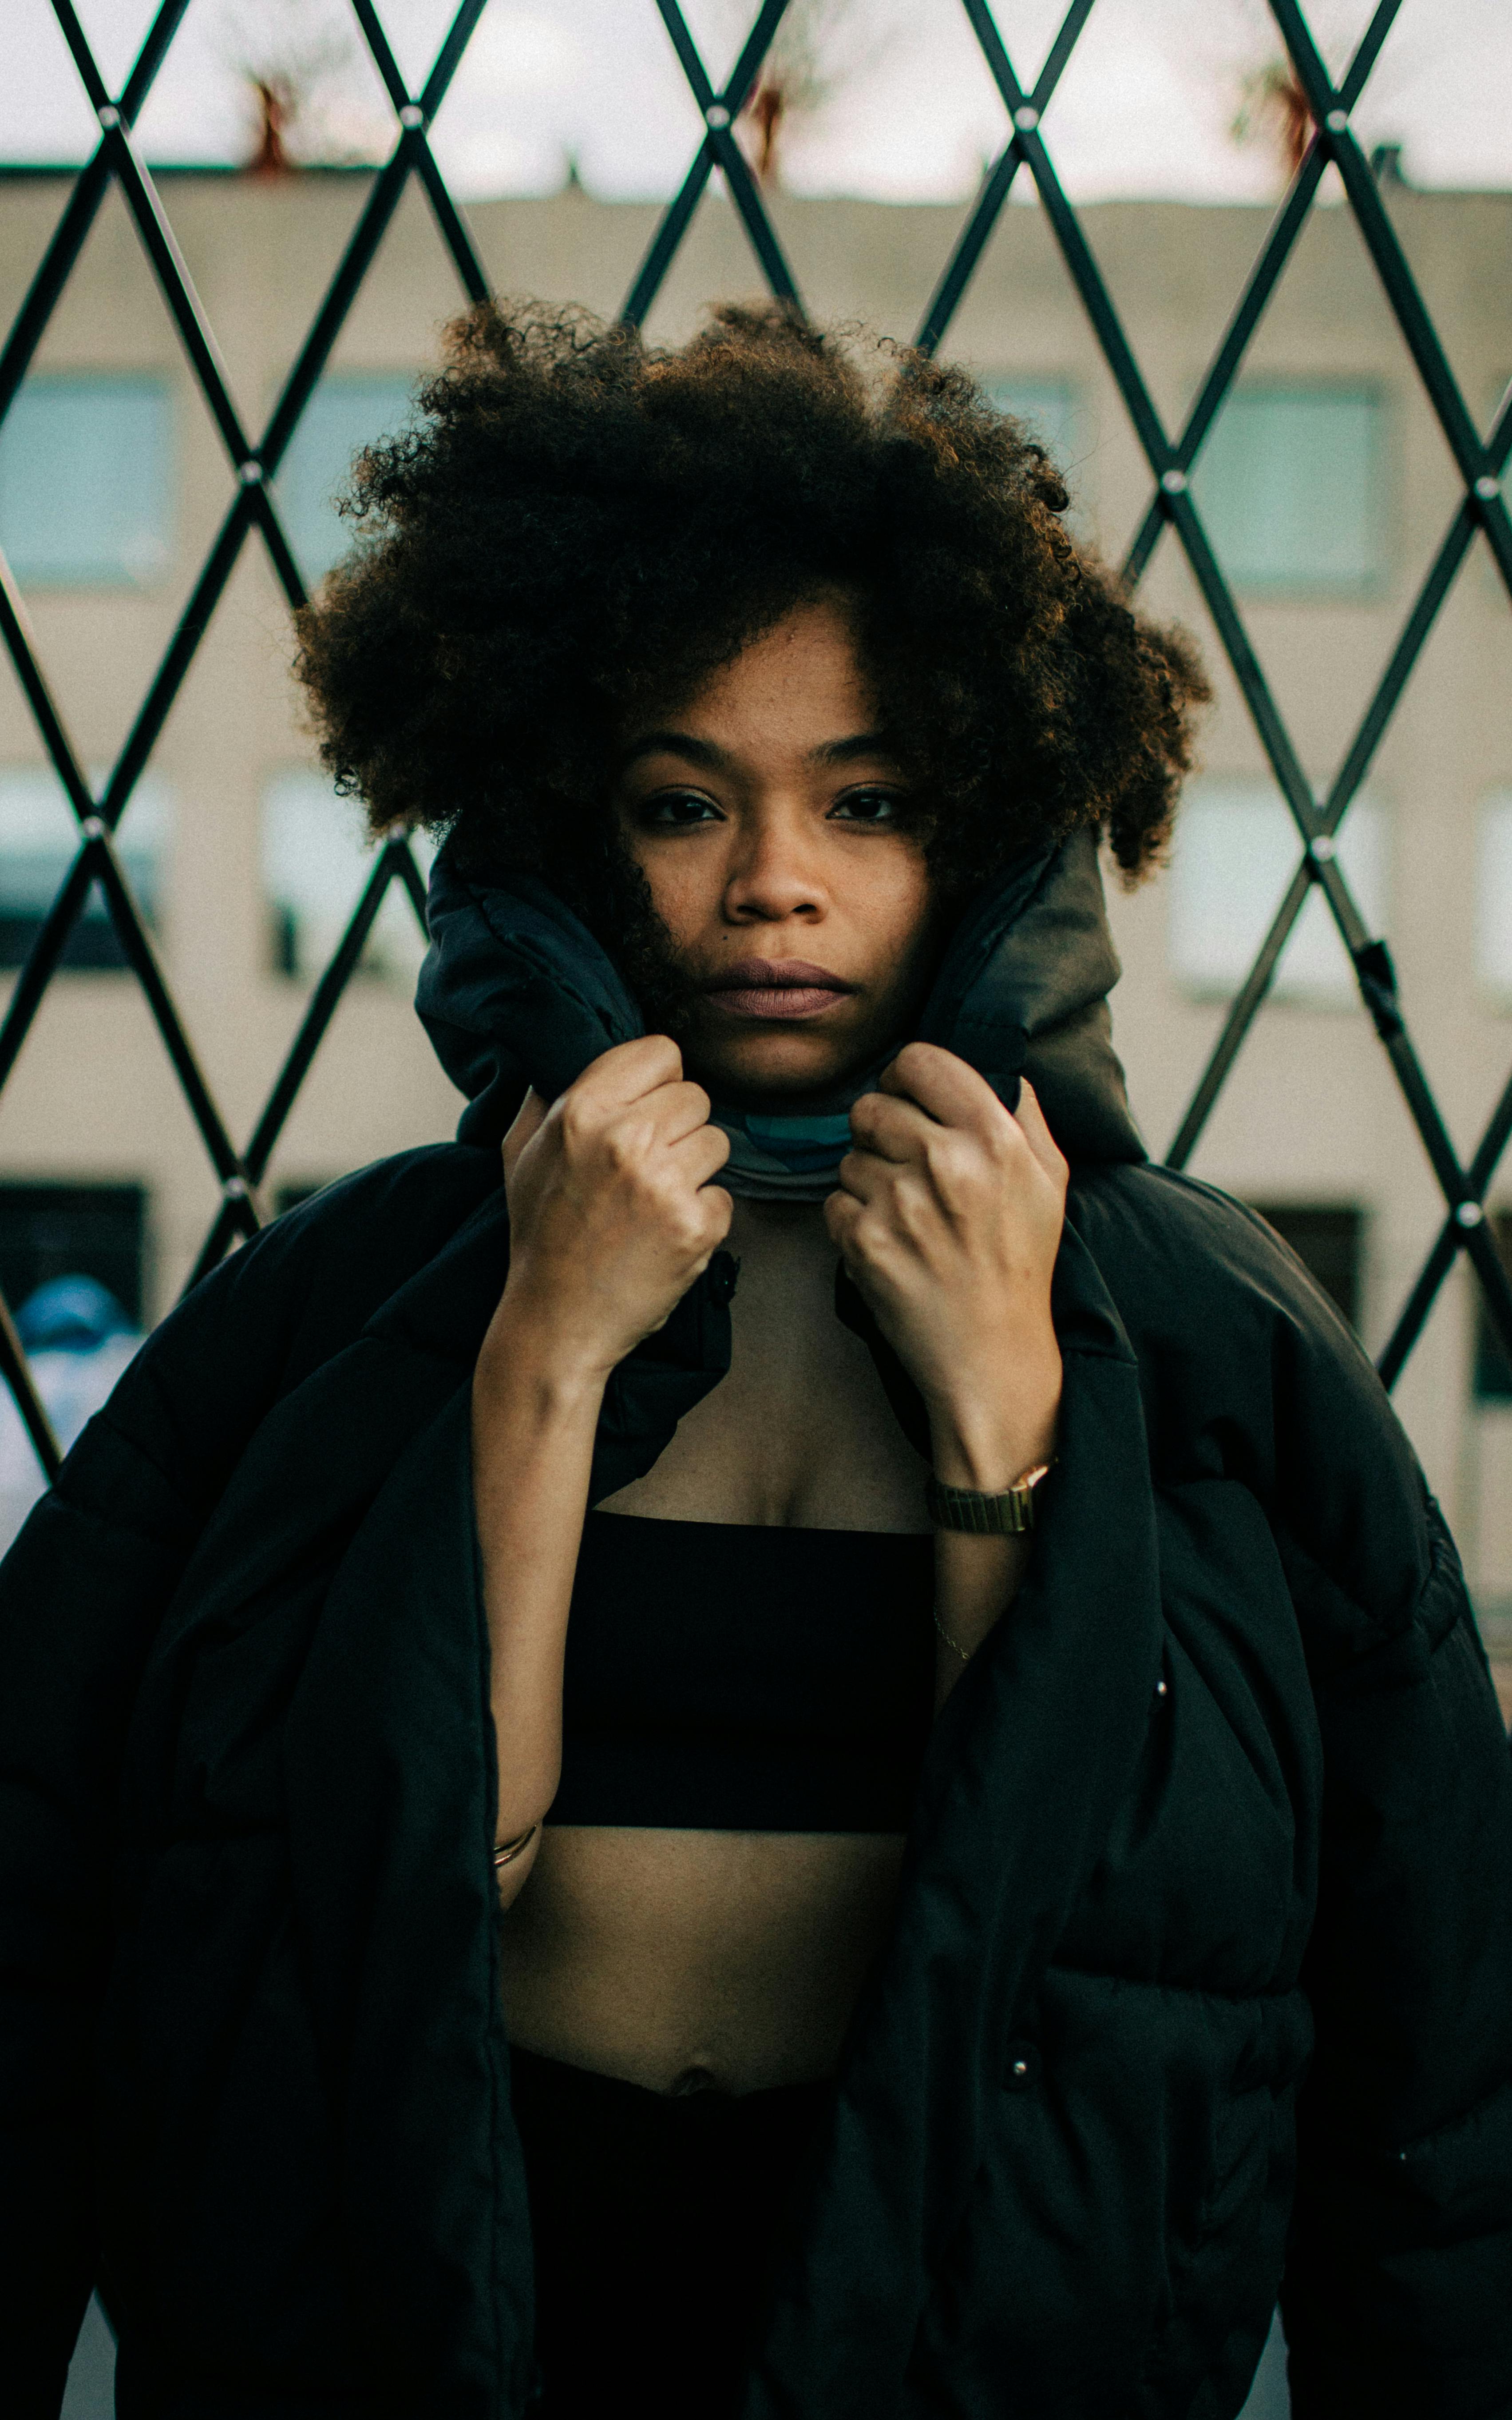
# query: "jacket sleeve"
1397, 2301
1398, 2296
82, 1592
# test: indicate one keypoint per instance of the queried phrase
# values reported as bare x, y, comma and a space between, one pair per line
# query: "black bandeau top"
735, 1678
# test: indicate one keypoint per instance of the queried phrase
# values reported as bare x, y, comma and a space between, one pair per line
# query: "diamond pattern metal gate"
1171, 455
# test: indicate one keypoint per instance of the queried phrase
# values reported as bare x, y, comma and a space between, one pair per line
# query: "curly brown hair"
581, 526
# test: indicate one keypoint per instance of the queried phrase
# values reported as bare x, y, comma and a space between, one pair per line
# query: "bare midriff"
683, 1960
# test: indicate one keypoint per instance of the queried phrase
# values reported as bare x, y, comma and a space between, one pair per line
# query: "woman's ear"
528, 1119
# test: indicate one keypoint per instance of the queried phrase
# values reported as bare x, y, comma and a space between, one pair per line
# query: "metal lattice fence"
1317, 813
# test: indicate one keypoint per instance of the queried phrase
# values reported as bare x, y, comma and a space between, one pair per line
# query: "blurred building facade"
1326, 487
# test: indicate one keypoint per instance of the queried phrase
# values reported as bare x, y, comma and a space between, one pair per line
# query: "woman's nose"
774, 875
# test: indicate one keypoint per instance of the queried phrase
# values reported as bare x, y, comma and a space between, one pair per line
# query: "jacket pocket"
1129, 2213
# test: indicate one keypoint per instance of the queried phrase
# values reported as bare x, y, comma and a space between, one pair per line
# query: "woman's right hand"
611, 1216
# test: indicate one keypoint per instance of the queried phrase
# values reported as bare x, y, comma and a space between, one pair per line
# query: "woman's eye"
869, 807
676, 809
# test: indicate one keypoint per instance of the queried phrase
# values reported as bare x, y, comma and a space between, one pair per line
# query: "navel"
696, 2078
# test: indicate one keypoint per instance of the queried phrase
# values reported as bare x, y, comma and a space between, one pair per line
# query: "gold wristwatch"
1007, 1515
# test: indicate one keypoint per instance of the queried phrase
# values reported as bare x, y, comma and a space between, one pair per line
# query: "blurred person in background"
77, 1340
784, 1736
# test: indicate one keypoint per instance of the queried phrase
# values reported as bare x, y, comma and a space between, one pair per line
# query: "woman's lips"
786, 1003
782, 988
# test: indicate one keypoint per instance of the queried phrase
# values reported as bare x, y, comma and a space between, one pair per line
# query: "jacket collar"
516, 991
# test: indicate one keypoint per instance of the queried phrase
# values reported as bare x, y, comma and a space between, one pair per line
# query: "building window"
1049, 409
86, 481
1290, 487
1492, 1362
1328, 1238
315, 863
38, 841
1494, 895
1235, 851
346, 413
48, 1231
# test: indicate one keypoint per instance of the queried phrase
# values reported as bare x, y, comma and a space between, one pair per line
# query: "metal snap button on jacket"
1021, 2071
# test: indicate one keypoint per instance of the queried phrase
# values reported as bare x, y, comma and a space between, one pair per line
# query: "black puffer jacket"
1202, 1969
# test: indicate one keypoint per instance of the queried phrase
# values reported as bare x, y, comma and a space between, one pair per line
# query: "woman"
807, 1746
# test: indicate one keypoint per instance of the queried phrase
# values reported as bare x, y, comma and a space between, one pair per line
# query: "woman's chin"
773, 1061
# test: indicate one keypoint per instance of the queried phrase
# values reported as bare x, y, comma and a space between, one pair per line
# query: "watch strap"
1008, 1515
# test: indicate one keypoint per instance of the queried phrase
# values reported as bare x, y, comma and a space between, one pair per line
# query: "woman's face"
774, 831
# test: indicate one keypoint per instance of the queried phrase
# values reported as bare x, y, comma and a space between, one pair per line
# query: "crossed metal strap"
1171, 459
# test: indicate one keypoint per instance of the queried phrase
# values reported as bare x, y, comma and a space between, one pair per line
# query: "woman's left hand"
949, 1219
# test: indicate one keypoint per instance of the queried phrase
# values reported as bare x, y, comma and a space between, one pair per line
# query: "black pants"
654, 2218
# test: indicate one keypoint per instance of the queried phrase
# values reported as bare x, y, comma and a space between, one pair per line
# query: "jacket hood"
514, 991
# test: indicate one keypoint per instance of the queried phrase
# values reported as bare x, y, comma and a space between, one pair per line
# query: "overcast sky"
907, 111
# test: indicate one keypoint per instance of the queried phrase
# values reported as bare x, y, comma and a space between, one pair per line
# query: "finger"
528, 1119
700, 1154
678, 1109
863, 1174
841, 1211
628, 1072
1031, 1117
854, 1231
718, 1209
944, 1087
890, 1127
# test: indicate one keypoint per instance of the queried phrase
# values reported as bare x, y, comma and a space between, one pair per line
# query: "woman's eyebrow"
708, 753
675, 743
845, 751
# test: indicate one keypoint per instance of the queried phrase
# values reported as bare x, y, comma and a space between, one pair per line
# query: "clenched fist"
949, 1219
611, 1215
